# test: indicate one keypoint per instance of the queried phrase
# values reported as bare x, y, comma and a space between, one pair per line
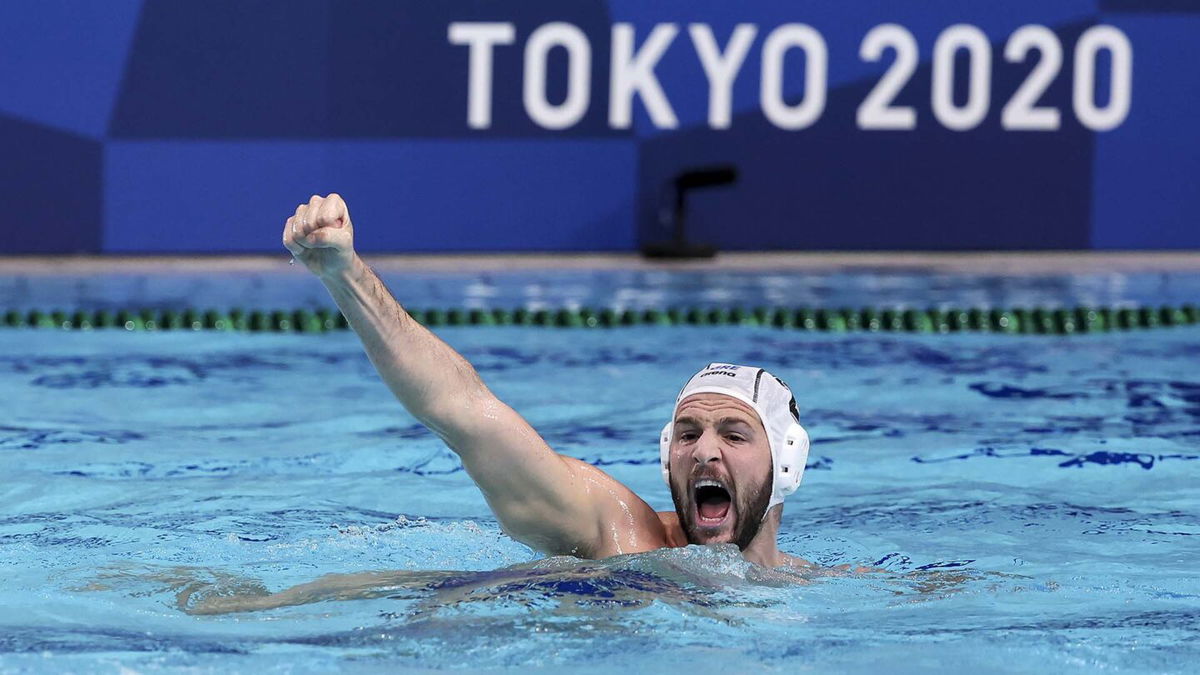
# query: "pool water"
1030, 500
622, 289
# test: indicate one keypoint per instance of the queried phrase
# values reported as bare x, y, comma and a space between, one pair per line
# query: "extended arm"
553, 503
537, 494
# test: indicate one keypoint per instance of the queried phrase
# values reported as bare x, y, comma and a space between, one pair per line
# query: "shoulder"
625, 522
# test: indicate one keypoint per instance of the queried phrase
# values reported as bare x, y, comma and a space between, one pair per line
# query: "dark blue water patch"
387, 520
571, 434
629, 461
206, 468
856, 351
53, 536
1169, 422
57, 640
904, 513
585, 587
63, 530
828, 439
148, 371
944, 564
1190, 391
805, 651
1182, 351
556, 435
500, 359
28, 438
98, 379
1074, 460
232, 426
254, 538
1178, 456
852, 426
1102, 457
923, 513
600, 590
1149, 402
1176, 619
406, 432
1067, 424
443, 462
1088, 510
993, 452
1001, 390
895, 560
36, 518
430, 641
819, 464
111, 471
863, 426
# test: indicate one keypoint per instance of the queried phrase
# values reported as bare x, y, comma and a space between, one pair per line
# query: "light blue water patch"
1030, 500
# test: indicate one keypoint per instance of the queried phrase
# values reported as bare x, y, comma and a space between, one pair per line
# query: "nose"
707, 449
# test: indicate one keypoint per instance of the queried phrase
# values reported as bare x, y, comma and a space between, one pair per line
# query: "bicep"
543, 499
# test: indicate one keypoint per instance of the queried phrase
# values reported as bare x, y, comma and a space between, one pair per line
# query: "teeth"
710, 483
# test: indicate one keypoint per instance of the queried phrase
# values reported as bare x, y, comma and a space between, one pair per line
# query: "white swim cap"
776, 408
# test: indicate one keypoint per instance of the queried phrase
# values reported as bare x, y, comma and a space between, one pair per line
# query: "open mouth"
712, 502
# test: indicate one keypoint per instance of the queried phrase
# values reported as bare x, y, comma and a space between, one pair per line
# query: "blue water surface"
857, 286
1030, 500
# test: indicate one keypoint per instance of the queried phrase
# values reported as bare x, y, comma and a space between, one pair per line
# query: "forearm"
433, 382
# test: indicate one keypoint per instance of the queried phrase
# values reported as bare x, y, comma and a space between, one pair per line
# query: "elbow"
459, 417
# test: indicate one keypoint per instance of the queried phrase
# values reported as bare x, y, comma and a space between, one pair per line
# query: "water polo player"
732, 451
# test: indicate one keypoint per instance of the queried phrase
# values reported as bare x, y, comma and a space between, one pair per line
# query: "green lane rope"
1039, 321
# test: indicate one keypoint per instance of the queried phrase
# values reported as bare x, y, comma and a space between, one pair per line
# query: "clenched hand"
320, 235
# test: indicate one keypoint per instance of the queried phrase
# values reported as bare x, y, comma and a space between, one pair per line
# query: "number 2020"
1021, 112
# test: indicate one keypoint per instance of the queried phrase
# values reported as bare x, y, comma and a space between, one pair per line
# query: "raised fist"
320, 235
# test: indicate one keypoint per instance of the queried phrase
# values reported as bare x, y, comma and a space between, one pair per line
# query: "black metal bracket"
674, 218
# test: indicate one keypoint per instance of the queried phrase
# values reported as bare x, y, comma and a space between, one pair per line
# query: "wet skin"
716, 437
719, 439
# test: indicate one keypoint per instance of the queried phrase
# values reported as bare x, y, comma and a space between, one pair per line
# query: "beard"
750, 505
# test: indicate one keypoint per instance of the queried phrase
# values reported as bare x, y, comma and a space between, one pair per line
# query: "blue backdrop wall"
143, 126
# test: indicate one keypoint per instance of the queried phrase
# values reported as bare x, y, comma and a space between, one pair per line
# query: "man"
733, 450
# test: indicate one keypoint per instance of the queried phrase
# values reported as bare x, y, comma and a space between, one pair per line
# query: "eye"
735, 438
687, 436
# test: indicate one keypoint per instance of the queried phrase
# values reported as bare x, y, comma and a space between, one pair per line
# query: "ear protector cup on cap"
793, 457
